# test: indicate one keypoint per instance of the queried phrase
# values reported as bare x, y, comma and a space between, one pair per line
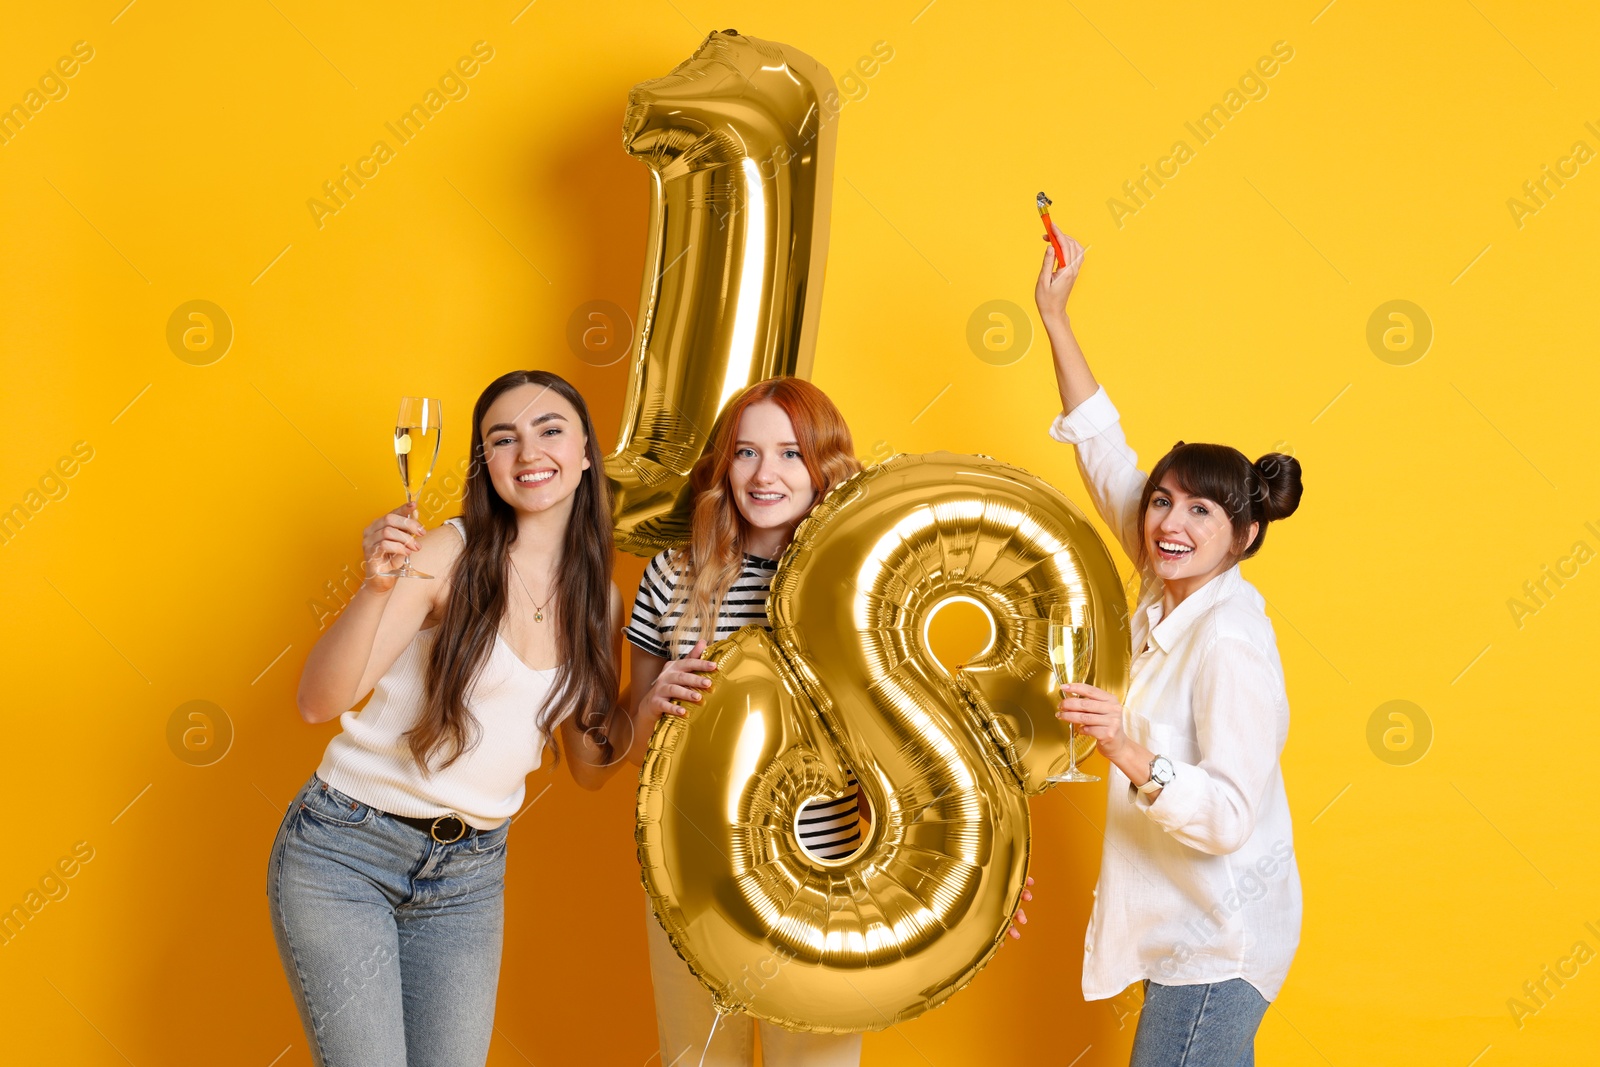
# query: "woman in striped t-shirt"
775, 450
830, 829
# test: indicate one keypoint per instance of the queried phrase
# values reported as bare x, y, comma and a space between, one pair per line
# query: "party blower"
1049, 231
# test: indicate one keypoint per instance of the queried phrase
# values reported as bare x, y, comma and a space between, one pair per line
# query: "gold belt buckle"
461, 829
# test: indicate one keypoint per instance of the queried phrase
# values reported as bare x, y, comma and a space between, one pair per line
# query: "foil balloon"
945, 758
739, 143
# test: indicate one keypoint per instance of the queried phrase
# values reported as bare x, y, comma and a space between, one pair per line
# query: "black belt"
445, 829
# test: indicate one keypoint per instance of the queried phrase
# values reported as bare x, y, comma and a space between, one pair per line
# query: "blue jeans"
1210, 1025
391, 941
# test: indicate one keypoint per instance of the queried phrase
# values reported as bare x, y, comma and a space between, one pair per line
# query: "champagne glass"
417, 430
1071, 652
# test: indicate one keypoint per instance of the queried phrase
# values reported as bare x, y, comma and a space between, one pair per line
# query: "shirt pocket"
1173, 742
1137, 726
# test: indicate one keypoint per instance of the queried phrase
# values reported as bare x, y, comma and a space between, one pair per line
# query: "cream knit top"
370, 760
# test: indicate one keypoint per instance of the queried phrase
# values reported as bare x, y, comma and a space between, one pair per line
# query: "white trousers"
684, 1016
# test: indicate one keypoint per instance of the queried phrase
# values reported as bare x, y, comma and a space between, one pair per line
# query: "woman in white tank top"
386, 880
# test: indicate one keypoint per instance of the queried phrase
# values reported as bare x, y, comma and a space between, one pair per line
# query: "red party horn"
1049, 231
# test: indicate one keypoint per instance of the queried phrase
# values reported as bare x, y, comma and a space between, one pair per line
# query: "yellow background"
1232, 307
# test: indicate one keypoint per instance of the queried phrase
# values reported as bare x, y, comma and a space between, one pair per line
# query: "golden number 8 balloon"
946, 759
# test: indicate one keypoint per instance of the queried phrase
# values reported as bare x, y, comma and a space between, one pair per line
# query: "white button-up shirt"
1199, 885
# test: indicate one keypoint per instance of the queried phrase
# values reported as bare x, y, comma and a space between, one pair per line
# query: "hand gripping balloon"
739, 140
1044, 203
946, 759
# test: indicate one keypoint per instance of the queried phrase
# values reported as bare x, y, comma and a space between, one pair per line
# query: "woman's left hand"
1096, 712
1050, 292
1020, 919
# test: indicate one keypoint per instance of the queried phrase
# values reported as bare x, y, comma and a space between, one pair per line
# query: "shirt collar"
1168, 632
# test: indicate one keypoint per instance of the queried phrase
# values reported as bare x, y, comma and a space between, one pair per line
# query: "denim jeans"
684, 1016
1210, 1025
391, 941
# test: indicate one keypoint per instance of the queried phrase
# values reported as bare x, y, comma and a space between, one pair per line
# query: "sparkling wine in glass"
1071, 652
417, 430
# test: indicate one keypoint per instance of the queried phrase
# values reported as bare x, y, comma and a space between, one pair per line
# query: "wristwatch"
1161, 775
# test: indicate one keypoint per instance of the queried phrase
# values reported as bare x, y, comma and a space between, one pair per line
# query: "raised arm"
1073, 377
383, 616
1110, 469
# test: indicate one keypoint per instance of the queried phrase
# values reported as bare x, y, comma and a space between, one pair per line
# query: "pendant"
538, 616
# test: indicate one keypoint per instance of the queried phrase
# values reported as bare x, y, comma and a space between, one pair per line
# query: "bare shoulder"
441, 548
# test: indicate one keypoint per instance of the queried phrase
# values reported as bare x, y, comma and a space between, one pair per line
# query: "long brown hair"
586, 681
712, 559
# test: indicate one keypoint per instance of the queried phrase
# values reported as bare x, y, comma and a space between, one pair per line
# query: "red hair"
717, 531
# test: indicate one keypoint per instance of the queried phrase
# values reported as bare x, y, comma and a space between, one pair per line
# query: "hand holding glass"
1071, 652
417, 430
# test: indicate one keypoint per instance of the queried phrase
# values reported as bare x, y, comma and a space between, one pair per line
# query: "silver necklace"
538, 609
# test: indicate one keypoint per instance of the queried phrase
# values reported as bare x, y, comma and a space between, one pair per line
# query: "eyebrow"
546, 417
1164, 491
781, 444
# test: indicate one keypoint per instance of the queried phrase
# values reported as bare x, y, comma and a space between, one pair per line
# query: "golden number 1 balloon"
946, 759
739, 145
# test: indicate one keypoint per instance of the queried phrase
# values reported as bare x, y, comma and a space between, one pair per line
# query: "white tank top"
371, 761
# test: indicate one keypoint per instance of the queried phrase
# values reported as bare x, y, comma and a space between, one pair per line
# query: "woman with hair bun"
1199, 893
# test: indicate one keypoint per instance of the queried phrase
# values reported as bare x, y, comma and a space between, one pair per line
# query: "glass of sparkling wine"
417, 430
1071, 652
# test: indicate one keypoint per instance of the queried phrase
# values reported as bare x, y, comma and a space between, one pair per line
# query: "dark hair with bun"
1264, 491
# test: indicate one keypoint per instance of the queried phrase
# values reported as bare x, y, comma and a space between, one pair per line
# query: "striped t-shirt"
828, 828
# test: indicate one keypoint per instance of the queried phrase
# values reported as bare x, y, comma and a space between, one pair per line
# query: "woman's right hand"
680, 679
386, 544
1054, 286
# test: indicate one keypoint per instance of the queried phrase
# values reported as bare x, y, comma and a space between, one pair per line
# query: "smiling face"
534, 448
768, 479
1187, 536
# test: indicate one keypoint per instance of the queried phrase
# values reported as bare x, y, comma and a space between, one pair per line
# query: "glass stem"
405, 564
